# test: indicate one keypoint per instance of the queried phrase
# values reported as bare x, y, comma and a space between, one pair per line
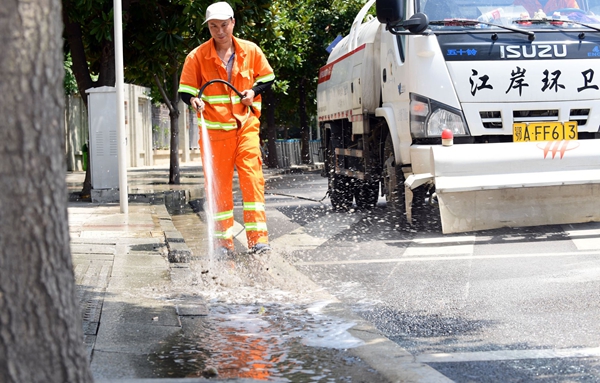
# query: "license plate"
544, 131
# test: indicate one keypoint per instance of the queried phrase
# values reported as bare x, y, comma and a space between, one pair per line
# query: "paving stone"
179, 252
174, 236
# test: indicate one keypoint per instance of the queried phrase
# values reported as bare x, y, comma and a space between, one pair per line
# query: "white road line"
450, 258
441, 240
431, 246
486, 356
585, 236
317, 233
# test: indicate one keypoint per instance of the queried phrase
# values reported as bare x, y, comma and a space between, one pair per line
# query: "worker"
548, 6
232, 122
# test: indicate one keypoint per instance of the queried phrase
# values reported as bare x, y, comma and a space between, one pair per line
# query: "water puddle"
266, 321
270, 342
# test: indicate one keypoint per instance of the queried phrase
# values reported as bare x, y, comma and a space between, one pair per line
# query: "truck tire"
366, 194
393, 179
340, 186
340, 192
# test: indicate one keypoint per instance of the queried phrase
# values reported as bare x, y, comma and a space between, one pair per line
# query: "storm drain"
92, 280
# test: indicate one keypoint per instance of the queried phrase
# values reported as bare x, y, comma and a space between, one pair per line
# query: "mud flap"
489, 186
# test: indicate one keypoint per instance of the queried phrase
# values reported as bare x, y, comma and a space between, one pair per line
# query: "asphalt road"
505, 305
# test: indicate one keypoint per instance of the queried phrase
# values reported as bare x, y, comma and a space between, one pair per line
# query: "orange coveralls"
233, 133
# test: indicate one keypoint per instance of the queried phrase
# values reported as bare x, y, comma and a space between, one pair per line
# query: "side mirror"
417, 23
390, 12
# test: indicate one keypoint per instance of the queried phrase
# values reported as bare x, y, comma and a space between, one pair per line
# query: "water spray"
208, 168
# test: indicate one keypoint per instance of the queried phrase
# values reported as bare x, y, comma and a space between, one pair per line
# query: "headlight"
442, 119
428, 118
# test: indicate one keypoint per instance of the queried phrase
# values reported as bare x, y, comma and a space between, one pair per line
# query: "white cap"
219, 11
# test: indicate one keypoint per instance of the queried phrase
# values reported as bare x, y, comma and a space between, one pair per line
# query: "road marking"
585, 236
439, 245
483, 356
317, 233
449, 258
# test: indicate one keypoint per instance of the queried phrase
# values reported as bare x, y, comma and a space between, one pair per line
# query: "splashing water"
209, 180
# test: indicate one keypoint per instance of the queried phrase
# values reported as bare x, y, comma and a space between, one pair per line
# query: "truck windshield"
517, 13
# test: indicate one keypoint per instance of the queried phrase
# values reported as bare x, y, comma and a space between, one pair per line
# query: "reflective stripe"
218, 125
256, 226
219, 99
227, 234
223, 215
237, 100
188, 89
266, 78
255, 206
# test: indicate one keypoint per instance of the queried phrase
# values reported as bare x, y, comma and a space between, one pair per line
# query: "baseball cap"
219, 11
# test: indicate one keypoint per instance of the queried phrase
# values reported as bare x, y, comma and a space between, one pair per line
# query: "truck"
486, 110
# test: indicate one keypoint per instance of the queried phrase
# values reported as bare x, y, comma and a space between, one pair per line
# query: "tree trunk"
172, 104
271, 128
81, 72
304, 126
41, 337
174, 154
107, 75
174, 116
80, 68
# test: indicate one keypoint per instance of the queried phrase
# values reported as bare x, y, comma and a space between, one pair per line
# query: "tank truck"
487, 109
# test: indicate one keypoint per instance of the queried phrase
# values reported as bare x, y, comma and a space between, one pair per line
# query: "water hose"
203, 123
223, 82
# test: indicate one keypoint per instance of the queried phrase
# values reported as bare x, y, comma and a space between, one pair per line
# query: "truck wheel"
393, 179
366, 194
340, 191
340, 186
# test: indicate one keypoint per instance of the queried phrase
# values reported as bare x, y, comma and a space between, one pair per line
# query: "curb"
178, 251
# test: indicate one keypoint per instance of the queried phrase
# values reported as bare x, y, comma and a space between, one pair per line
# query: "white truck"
514, 90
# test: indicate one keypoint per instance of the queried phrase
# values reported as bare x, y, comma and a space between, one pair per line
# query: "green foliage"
95, 19
70, 84
102, 27
158, 34
303, 30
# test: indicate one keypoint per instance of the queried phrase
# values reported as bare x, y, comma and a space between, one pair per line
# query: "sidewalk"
145, 319
125, 266
124, 274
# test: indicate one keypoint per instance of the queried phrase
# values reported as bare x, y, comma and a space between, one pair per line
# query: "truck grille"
493, 119
579, 115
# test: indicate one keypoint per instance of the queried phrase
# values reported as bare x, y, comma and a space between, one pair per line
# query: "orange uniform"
234, 133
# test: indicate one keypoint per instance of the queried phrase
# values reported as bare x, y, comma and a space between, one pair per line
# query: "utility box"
102, 115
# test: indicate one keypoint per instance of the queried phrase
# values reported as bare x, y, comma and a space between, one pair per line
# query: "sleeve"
186, 97
189, 82
263, 73
260, 87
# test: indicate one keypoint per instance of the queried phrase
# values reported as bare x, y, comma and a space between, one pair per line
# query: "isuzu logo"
533, 51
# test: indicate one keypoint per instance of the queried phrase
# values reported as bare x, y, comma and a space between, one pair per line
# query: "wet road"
510, 305
498, 305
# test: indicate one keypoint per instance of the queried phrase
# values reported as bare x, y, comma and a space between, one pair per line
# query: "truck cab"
514, 83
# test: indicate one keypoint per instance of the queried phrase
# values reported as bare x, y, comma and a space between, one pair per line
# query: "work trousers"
239, 148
